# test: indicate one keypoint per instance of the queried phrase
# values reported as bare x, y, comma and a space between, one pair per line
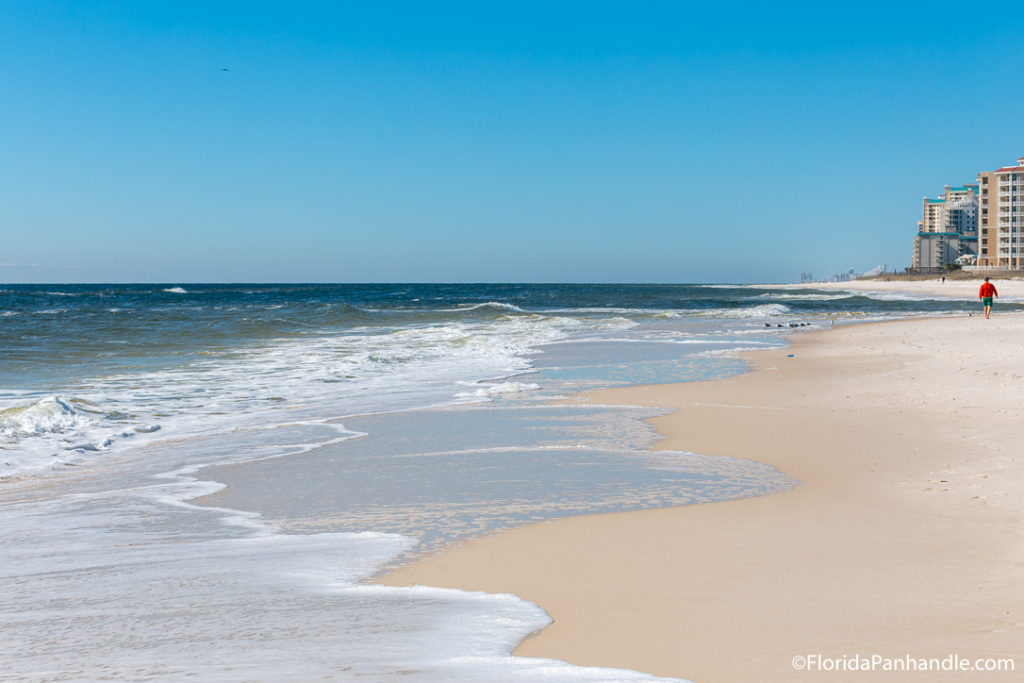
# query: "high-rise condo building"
1001, 217
948, 229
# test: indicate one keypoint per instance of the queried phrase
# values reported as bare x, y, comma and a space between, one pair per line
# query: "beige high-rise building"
1001, 217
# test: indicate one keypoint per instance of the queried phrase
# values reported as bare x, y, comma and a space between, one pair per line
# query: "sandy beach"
906, 539
1009, 288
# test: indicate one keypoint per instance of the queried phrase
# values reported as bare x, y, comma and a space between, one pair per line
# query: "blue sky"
489, 141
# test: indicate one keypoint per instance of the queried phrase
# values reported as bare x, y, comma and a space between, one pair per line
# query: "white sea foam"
759, 311
51, 415
702, 341
627, 313
287, 380
176, 290
55, 431
602, 310
751, 331
728, 353
490, 304
896, 296
809, 297
491, 390
221, 596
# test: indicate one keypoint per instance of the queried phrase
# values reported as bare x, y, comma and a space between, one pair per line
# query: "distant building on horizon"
948, 229
845, 276
1001, 218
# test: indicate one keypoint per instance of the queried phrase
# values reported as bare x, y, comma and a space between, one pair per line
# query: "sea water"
359, 425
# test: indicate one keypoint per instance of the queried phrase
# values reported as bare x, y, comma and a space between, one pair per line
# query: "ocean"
358, 425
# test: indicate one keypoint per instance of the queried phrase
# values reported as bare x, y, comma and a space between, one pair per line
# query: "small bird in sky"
225, 69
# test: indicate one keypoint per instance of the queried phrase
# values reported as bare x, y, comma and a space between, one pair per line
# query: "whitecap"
490, 304
51, 415
809, 297
761, 311
490, 390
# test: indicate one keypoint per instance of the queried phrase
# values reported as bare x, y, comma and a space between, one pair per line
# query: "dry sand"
1010, 289
906, 539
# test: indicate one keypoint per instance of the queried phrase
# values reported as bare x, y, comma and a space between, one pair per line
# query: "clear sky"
490, 141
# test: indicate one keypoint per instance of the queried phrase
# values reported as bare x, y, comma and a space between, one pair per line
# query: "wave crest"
51, 415
490, 305
498, 389
761, 311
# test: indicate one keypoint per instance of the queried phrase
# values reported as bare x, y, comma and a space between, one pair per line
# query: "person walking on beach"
987, 291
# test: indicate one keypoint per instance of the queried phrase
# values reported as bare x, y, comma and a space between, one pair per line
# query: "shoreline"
1010, 289
905, 540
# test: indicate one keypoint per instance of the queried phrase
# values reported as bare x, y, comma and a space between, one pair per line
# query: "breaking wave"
51, 415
